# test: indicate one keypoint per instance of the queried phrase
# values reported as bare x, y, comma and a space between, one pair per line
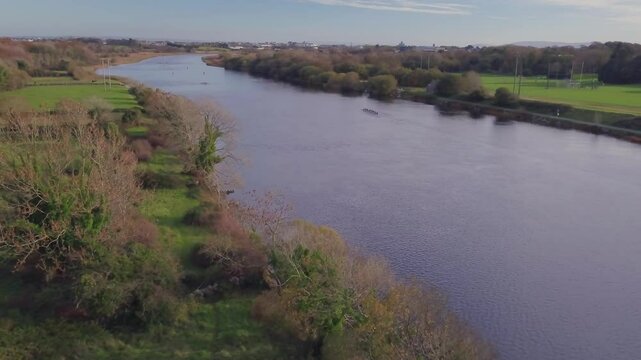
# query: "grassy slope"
622, 99
46, 96
168, 207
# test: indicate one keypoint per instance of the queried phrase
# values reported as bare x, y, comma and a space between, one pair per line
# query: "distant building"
434, 49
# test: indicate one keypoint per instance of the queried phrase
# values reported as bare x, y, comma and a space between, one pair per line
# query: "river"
533, 233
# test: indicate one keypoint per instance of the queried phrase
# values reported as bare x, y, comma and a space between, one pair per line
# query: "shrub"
472, 83
143, 149
505, 98
130, 116
382, 86
98, 108
142, 231
206, 215
308, 267
450, 85
150, 179
346, 83
134, 286
476, 96
238, 261
156, 139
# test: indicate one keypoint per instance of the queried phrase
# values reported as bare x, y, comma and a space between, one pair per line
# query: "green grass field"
45, 96
621, 99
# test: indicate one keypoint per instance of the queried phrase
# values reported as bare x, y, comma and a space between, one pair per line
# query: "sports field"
50, 91
622, 99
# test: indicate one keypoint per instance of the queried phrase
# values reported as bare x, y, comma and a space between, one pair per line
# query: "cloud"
628, 11
416, 6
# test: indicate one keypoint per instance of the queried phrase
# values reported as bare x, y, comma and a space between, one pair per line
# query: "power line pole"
572, 71
104, 73
520, 79
109, 71
516, 73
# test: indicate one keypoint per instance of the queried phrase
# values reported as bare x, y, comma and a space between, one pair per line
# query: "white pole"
109, 71
581, 78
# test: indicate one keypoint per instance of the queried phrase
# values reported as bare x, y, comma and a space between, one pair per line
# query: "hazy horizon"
416, 22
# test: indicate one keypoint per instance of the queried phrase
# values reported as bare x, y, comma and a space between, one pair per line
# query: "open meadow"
621, 99
45, 93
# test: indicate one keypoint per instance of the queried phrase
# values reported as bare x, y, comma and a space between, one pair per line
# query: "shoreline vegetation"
117, 240
387, 74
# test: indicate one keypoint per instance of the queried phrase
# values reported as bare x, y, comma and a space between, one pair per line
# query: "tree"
624, 66
450, 85
203, 134
208, 152
383, 86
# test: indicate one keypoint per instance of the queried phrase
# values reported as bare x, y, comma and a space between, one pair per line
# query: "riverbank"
414, 186
196, 274
567, 118
562, 116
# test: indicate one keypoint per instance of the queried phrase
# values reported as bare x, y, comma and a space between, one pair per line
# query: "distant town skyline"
415, 22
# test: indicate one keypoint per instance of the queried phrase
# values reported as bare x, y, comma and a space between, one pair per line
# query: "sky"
415, 22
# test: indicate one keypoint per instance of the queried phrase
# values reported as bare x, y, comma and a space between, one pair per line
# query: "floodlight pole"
104, 73
520, 79
516, 73
109, 71
572, 72
581, 78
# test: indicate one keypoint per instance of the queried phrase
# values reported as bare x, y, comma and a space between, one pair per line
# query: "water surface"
532, 232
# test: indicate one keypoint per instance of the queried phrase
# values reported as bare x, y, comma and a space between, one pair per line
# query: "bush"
231, 255
505, 98
472, 83
476, 96
98, 108
346, 83
383, 86
205, 215
308, 267
143, 149
150, 179
237, 260
450, 85
130, 116
143, 231
156, 139
132, 286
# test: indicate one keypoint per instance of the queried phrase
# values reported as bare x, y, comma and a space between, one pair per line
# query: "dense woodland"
89, 268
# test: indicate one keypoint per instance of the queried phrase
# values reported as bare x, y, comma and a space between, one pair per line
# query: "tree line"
328, 69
